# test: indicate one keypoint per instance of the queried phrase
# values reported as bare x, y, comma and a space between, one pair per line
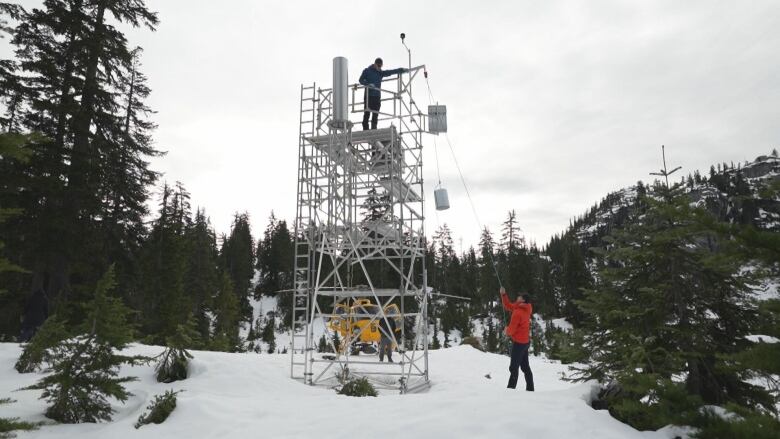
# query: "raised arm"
392, 72
505, 300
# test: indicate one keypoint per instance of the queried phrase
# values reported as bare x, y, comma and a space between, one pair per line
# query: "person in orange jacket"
518, 330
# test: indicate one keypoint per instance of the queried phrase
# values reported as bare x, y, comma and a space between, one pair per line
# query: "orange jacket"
520, 322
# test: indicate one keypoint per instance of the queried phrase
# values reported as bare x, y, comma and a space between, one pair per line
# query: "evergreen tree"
275, 257
672, 300
237, 258
489, 284
107, 319
172, 362
762, 248
84, 374
254, 330
87, 182
575, 277
159, 409
162, 299
36, 352
12, 148
491, 342
269, 335
226, 310
377, 207
377, 215
488, 281
537, 338
275, 253
13, 152
435, 344
470, 276
201, 280
511, 237
545, 302
448, 275
85, 369
11, 87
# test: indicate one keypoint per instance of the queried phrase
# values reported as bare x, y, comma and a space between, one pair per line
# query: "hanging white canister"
441, 198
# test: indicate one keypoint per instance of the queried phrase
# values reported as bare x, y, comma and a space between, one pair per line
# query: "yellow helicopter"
355, 320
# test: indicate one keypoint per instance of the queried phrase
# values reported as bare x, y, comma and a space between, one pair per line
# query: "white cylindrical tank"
441, 198
340, 89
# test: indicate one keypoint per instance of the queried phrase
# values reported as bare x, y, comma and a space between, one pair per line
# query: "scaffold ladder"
300, 343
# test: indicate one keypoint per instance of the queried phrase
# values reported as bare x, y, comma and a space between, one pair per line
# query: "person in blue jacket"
372, 79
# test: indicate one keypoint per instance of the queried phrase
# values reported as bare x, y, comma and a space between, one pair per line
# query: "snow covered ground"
250, 395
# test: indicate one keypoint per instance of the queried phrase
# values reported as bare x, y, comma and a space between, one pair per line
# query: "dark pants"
520, 361
372, 103
385, 346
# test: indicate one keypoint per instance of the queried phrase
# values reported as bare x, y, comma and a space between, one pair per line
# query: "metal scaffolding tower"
360, 237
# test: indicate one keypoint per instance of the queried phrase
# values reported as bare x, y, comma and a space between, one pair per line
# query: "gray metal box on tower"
441, 198
437, 119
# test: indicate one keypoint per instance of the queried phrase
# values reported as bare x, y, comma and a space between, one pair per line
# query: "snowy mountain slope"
249, 395
731, 193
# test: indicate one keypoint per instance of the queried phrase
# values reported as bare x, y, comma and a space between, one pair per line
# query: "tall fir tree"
575, 277
201, 279
488, 281
672, 301
87, 181
14, 151
269, 335
161, 296
237, 258
275, 253
511, 237
275, 257
227, 316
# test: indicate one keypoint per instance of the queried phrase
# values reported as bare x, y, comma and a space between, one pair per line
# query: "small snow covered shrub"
173, 361
473, 342
172, 365
35, 352
358, 387
8, 425
159, 409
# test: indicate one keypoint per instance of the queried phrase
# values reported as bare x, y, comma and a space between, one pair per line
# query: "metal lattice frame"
340, 172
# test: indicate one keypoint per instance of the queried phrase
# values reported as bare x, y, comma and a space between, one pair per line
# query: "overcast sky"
551, 104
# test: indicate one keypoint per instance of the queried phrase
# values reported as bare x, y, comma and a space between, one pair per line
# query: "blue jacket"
372, 78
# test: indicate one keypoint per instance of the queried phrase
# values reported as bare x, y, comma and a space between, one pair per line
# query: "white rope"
468, 193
